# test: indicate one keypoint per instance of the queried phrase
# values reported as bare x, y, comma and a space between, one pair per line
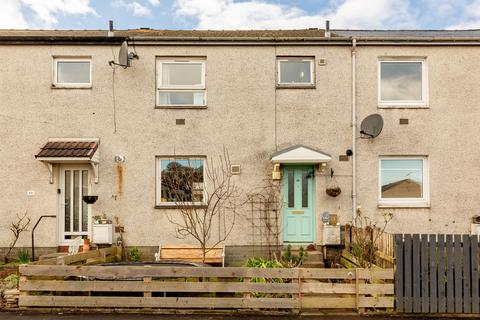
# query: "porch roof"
300, 154
70, 151
53, 149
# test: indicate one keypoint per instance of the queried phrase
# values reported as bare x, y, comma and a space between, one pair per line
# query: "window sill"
296, 86
181, 107
402, 106
179, 206
405, 205
59, 86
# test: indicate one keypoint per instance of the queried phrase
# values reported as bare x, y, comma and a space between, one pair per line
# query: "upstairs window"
180, 181
295, 72
181, 83
403, 181
402, 83
72, 72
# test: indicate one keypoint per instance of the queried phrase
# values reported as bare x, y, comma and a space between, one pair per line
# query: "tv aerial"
124, 57
371, 126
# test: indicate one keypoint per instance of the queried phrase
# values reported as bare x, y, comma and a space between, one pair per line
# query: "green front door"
298, 210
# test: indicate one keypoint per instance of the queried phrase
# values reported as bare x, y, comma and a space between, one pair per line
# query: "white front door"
74, 213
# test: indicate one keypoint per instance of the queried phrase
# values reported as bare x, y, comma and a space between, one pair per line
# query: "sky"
240, 14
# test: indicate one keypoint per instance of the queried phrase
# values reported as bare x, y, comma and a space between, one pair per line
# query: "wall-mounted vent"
403, 121
235, 169
322, 61
180, 122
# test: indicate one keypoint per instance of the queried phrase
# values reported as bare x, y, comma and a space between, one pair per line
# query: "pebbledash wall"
246, 114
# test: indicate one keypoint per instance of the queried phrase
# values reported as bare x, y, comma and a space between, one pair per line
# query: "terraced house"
286, 104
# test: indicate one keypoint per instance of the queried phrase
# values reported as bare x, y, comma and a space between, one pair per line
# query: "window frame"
406, 202
310, 59
57, 59
423, 103
180, 88
158, 182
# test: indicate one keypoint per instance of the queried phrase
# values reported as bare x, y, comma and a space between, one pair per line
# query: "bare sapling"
202, 202
365, 238
17, 227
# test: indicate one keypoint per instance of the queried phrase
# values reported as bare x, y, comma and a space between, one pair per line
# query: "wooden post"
416, 271
118, 253
474, 265
408, 288
300, 295
358, 281
467, 293
442, 278
246, 295
458, 257
399, 279
147, 280
450, 274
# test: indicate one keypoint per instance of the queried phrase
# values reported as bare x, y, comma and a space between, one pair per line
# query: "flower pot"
90, 199
86, 245
333, 192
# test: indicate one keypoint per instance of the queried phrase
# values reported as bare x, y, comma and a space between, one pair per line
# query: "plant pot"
333, 192
90, 199
86, 245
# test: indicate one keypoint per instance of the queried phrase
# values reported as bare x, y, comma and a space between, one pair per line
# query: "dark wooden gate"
437, 273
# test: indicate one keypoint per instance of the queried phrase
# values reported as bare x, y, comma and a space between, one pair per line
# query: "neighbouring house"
286, 104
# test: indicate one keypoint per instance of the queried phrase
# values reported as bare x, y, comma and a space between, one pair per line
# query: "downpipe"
354, 133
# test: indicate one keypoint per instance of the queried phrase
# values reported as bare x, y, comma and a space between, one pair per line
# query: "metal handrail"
33, 233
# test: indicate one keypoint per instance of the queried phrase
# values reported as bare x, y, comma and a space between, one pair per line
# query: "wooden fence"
110, 254
136, 287
437, 274
385, 243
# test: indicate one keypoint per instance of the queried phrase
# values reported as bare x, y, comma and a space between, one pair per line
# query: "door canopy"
72, 151
300, 154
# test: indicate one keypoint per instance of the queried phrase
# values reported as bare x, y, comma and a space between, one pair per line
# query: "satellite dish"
123, 55
372, 125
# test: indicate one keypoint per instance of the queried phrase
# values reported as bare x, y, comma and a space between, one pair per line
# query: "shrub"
263, 263
23, 256
134, 255
10, 282
291, 260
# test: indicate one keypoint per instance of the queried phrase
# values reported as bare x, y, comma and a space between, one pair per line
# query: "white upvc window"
72, 72
180, 181
402, 82
403, 181
295, 72
181, 82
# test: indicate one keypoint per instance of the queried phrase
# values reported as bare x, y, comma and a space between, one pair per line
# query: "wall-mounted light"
276, 175
322, 167
119, 158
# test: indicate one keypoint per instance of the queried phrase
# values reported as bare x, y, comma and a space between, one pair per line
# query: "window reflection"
182, 180
402, 178
401, 81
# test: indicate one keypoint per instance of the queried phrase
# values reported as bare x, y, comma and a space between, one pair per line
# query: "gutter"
26, 40
223, 41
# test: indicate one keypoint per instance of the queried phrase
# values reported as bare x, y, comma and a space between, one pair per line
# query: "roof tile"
68, 149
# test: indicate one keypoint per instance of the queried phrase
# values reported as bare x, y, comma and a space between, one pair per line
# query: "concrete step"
318, 264
314, 255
